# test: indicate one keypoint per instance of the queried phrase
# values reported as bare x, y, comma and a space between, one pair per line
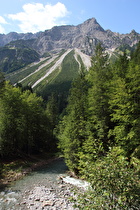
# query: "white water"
76, 182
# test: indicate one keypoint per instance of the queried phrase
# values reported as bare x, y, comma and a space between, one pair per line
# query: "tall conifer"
98, 95
73, 126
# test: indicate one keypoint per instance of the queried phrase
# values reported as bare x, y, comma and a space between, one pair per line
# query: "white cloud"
2, 30
37, 17
2, 21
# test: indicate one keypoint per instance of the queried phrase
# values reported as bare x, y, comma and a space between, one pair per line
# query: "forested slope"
100, 136
98, 133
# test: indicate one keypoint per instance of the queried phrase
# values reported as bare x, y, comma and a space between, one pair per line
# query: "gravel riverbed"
44, 197
42, 189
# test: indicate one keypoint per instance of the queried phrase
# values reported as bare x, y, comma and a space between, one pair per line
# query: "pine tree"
73, 126
120, 67
98, 95
10, 119
52, 116
52, 110
135, 55
124, 104
23, 123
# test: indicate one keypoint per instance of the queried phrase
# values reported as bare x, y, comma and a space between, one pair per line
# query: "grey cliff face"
84, 36
13, 36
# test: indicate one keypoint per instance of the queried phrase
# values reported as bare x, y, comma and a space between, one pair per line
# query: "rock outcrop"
84, 36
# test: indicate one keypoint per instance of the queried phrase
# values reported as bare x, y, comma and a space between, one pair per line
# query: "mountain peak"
91, 25
91, 21
134, 32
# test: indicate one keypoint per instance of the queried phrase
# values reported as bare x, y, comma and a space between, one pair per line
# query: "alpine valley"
48, 61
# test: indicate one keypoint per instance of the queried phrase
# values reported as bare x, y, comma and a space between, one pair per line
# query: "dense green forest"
98, 133
26, 122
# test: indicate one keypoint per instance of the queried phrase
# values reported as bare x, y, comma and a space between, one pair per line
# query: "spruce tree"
98, 95
124, 104
73, 126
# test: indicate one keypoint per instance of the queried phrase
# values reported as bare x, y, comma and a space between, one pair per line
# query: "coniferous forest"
98, 132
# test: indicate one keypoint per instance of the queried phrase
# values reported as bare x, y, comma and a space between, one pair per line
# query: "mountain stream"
42, 189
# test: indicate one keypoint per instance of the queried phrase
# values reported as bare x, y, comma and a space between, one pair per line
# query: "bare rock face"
13, 36
84, 36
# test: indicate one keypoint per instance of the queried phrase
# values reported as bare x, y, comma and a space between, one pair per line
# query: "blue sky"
38, 15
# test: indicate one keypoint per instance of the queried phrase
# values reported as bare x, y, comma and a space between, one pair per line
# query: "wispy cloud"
37, 17
2, 21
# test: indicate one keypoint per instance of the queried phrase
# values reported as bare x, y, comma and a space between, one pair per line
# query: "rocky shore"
41, 197
51, 198
41, 190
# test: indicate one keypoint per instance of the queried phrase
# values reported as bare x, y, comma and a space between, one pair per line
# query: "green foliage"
67, 72
135, 56
112, 112
114, 184
98, 96
52, 113
33, 77
2, 79
100, 140
124, 105
90, 151
52, 110
24, 125
9, 125
59, 81
73, 126
135, 159
14, 77
12, 58
121, 65
99, 133
34, 120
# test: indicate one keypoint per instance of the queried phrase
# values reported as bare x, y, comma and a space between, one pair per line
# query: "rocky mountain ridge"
84, 36
48, 61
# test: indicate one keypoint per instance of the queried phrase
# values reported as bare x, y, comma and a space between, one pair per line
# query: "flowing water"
14, 196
